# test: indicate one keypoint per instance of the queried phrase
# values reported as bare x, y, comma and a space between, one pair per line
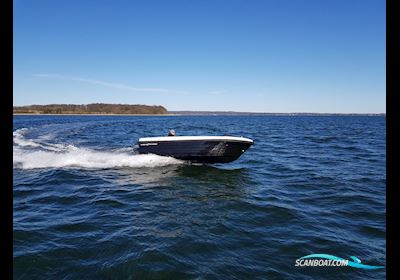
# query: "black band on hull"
196, 151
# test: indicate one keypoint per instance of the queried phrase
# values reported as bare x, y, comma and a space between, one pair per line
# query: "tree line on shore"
94, 108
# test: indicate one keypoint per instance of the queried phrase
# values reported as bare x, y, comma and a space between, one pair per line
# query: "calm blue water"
87, 207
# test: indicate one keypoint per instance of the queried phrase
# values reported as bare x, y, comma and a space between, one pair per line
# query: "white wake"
34, 153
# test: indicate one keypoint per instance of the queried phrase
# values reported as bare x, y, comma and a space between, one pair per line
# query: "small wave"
21, 141
31, 154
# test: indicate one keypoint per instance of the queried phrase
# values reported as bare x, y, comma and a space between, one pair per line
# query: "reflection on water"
165, 175
150, 177
199, 181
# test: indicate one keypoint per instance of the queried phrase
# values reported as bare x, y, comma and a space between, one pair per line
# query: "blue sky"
240, 55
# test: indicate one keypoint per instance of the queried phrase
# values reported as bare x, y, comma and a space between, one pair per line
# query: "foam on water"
31, 153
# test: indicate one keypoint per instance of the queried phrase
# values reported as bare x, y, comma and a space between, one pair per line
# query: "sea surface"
87, 207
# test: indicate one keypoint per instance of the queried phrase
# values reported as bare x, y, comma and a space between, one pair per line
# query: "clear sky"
240, 55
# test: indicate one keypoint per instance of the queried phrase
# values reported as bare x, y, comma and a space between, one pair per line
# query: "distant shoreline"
91, 109
232, 113
200, 114
104, 109
182, 112
67, 114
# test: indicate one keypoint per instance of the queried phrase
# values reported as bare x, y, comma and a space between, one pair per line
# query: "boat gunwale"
196, 139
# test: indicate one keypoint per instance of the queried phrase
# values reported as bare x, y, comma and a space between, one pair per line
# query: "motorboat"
199, 149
